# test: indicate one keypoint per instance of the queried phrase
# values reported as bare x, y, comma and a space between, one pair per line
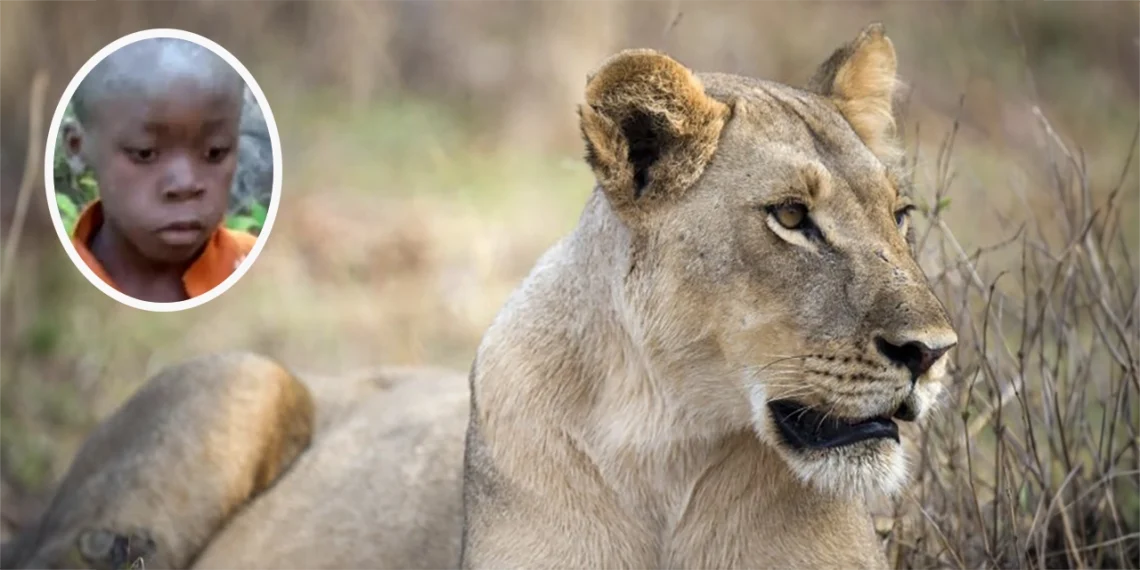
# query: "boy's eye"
142, 155
217, 153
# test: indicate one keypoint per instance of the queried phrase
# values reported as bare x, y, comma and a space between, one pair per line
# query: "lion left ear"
860, 78
650, 129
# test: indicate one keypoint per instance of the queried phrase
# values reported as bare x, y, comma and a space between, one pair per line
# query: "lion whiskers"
847, 472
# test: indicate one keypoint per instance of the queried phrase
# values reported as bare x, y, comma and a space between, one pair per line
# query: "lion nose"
915, 355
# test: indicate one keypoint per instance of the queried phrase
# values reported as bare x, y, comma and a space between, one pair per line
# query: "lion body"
628, 477
379, 487
746, 250
369, 475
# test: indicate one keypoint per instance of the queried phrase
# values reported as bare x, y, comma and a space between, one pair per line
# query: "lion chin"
875, 468
843, 459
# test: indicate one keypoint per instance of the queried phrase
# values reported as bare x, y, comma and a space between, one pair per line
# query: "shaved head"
151, 67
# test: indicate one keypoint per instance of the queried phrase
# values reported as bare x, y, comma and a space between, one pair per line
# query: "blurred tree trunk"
562, 44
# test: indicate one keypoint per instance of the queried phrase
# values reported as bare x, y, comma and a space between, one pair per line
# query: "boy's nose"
181, 183
179, 192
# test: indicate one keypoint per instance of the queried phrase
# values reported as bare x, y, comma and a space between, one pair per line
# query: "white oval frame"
49, 178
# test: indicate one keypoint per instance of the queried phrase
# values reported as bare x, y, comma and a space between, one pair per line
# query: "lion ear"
860, 78
649, 128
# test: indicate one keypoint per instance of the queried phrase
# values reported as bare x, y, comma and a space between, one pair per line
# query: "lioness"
705, 373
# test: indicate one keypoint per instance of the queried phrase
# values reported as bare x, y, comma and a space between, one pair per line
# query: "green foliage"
68, 211
73, 190
28, 456
42, 338
88, 188
250, 222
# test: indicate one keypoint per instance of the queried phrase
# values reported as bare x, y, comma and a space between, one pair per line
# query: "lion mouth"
805, 428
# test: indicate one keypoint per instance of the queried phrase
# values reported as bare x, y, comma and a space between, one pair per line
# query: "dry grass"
440, 158
1035, 459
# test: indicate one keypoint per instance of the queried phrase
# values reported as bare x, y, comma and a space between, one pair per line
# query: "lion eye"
901, 215
791, 216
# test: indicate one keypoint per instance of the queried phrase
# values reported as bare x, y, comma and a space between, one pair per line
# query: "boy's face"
164, 162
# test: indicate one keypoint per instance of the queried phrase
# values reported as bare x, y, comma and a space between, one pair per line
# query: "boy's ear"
860, 78
650, 128
73, 141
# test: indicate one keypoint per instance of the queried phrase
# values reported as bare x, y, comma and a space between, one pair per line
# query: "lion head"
774, 271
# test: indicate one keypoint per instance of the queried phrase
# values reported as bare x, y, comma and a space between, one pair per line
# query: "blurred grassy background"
431, 154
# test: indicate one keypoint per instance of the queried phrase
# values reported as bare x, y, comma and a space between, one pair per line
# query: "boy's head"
158, 122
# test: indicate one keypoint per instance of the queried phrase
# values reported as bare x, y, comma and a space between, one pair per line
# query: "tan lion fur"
618, 410
619, 404
143, 475
381, 487
665, 98
223, 462
861, 79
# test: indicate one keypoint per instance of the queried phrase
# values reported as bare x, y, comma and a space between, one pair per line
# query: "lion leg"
160, 476
380, 486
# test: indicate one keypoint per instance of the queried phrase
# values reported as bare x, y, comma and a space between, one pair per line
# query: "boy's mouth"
181, 233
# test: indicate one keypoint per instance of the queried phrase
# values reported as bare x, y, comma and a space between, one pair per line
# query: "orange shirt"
224, 251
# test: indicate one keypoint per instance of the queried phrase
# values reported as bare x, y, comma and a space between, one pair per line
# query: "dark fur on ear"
649, 127
860, 78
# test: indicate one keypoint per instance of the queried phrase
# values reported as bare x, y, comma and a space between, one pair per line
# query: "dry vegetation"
1035, 459
430, 160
